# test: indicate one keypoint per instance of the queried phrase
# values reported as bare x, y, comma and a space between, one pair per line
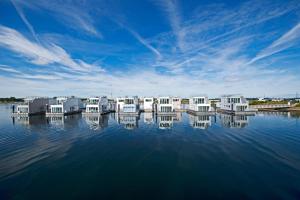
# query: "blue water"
148, 157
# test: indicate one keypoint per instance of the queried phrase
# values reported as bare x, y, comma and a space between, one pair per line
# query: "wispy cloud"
24, 19
73, 14
40, 54
289, 39
172, 9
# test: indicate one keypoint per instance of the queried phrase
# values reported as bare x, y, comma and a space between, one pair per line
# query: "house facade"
148, 104
33, 105
97, 105
65, 105
128, 104
165, 105
234, 103
200, 104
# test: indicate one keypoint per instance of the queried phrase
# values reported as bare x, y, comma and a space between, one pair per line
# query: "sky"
149, 48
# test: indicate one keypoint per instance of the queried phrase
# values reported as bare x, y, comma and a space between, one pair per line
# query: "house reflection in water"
61, 121
129, 121
201, 121
29, 120
165, 121
234, 121
148, 117
96, 122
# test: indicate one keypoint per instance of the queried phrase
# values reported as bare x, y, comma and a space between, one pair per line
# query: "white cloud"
287, 40
40, 54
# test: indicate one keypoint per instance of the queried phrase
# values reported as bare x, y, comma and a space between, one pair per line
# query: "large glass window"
199, 101
164, 101
56, 110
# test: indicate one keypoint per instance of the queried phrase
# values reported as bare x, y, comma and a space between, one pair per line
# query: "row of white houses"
132, 105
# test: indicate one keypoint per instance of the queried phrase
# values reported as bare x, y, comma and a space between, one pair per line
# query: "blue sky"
150, 47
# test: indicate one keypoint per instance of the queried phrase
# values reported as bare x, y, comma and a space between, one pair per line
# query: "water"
145, 157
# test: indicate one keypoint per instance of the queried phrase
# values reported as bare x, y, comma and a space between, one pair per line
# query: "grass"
255, 102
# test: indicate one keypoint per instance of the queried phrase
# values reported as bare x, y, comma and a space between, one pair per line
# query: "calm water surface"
148, 157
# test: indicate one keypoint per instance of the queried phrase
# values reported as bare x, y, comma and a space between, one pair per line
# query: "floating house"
32, 106
176, 101
97, 105
199, 105
148, 104
234, 104
128, 105
165, 105
65, 106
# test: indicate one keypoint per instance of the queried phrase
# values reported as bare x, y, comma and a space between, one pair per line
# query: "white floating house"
32, 105
199, 104
176, 101
234, 103
165, 105
148, 104
128, 105
65, 105
200, 121
97, 105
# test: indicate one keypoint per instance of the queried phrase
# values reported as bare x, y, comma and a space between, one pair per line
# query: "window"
164, 101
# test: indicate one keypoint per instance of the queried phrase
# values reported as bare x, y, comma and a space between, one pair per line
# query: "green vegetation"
298, 105
256, 102
10, 100
185, 101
